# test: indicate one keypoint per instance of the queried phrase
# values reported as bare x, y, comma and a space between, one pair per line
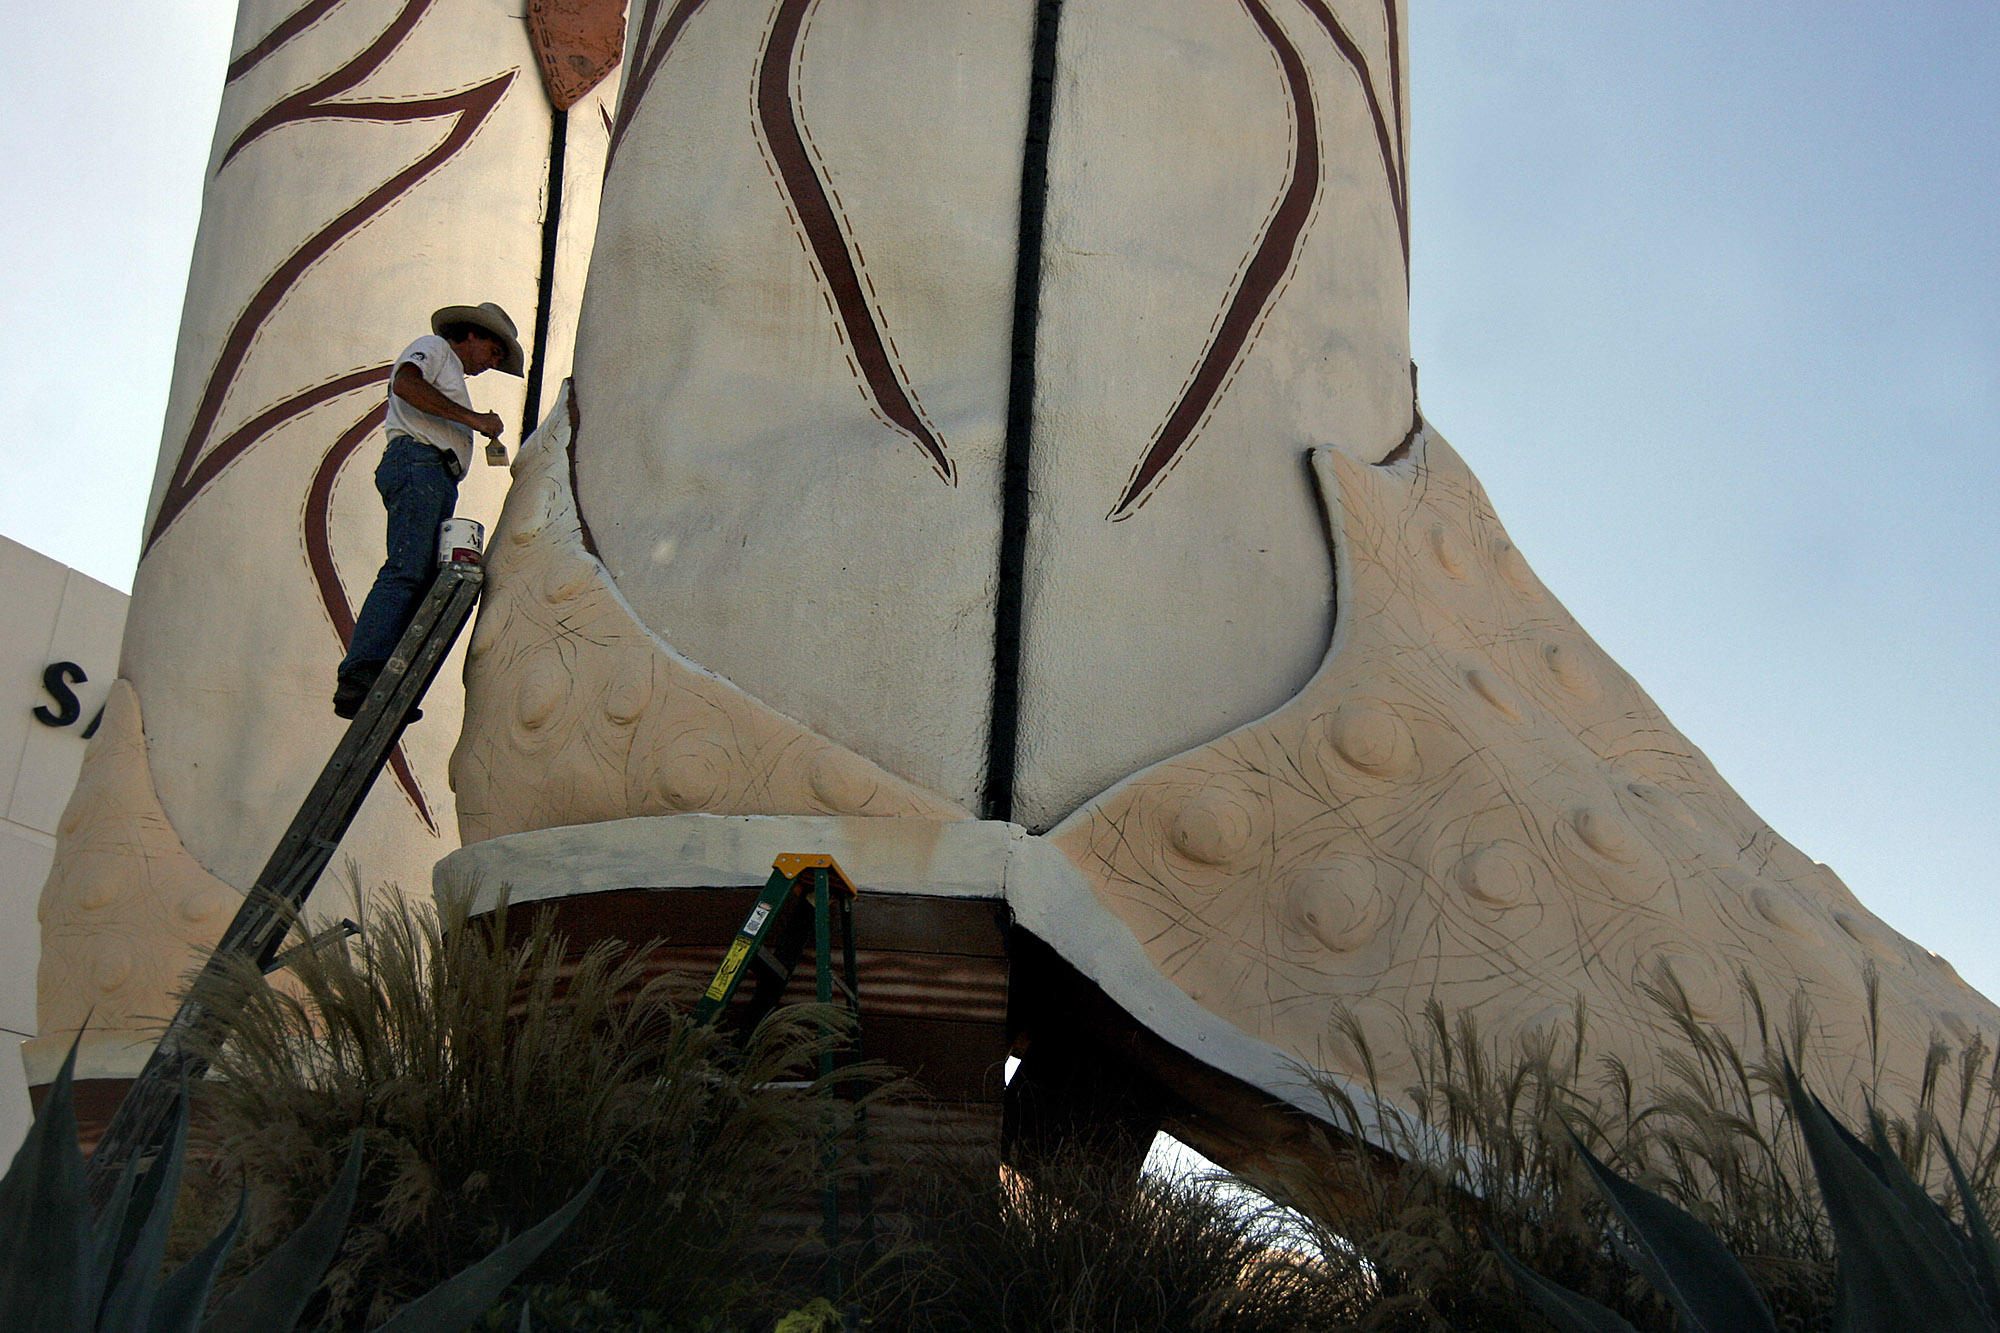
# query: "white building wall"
52, 614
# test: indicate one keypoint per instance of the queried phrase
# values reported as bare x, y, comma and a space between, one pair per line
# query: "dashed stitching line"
1235, 281
805, 245
1392, 168
1138, 501
848, 232
185, 484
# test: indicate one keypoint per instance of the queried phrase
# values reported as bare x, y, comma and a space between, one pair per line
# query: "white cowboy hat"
491, 318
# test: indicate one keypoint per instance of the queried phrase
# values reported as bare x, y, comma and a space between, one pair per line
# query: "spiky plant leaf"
45, 1244
1863, 1153
1682, 1258
275, 1293
1879, 1155
149, 1178
142, 1241
1569, 1311
109, 1231
1929, 1215
184, 1295
1890, 1264
1984, 1251
455, 1303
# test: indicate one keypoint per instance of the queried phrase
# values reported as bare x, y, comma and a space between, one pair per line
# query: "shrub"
1481, 1145
1901, 1254
494, 1078
66, 1268
1080, 1248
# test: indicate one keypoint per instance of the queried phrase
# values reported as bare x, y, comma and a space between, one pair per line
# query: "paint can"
459, 540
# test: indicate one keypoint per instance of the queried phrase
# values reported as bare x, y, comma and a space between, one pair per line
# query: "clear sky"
1707, 294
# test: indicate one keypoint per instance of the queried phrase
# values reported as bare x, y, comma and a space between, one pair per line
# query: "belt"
447, 458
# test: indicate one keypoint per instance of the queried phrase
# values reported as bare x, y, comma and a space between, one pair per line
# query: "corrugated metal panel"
954, 986
933, 980
933, 972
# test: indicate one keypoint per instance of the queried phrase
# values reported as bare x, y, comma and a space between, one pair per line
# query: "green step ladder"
807, 896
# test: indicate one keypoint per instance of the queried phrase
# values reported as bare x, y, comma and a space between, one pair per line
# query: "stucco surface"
1045, 892
373, 160
1471, 802
265, 528
821, 540
1223, 286
124, 913
1308, 734
963, 858
794, 362
577, 713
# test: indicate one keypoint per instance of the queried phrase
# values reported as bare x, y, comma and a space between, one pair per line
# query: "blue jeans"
420, 496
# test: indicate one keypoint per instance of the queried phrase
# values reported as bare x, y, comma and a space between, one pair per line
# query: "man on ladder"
144, 1120
430, 422
421, 600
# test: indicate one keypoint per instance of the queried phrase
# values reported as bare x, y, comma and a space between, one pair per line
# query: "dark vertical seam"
576, 495
1003, 726
531, 414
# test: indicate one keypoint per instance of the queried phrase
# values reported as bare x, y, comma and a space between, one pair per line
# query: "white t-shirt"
441, 368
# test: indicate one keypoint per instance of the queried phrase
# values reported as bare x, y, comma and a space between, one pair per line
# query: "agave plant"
1900, 1255
64, 1271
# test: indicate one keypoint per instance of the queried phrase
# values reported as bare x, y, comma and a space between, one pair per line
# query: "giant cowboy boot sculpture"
993, 453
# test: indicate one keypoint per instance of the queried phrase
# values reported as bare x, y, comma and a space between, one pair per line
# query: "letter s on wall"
57, 680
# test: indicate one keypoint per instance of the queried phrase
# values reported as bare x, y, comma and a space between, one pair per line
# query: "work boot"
351, 691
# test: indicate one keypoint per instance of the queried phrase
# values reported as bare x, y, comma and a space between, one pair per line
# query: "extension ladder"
144, 1119
807, 895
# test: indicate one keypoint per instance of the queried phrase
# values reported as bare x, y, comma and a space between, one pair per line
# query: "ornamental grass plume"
1479, 1144
495, 1073
1083, 1247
